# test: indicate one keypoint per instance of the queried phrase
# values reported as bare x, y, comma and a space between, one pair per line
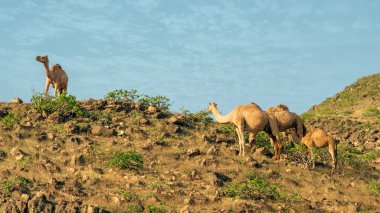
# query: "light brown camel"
245, 117
280, 120
317, 137
55, 76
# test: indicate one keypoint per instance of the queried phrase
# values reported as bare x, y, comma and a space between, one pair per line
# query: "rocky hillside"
120, 156
352, 115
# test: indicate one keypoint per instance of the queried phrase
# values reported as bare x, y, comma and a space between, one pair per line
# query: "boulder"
102, 131
17, 100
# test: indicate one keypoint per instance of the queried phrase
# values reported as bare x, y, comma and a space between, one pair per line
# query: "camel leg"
333, 152
312, 157
241, 140
274, 141
47, 88
251, 137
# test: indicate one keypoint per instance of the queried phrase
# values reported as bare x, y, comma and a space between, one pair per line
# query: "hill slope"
352, 115
125, 157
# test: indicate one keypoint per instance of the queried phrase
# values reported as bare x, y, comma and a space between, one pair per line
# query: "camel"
317, 137
55, 76
281, 119
245, 117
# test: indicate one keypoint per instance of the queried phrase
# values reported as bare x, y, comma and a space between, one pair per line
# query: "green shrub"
159, 101
64, 104
3, 155
254, 188
7, 184
227, 129
155, 209
122, 95
128, 195
371, 155
350, 156
196, 119
371, 112
374, 187
134, 209
126, 160
10, 120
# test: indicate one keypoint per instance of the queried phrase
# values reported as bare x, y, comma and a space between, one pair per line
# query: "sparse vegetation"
9, 183
374, 188
126, 160
123, 95
10, 120
254, 188
65, 105
155, 209
3, 155
371, 112
128, 195
159, 101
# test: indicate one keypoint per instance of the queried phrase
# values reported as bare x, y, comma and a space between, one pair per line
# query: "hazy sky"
194, 52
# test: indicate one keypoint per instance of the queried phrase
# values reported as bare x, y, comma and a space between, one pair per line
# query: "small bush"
122, 95
155, 209
262, 140
350, 156
159, 101
371, 112
227, 129
134, 209
10, 120
3, 155
197, 119
371, 155
374, 188
64, 104
126, 160
128, 195
254, 188
8, 184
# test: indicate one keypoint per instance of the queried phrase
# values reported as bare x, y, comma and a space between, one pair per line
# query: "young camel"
280, 120
55, 76
245, 117
317, 137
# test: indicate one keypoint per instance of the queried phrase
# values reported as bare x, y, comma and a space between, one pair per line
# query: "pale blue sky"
194, 52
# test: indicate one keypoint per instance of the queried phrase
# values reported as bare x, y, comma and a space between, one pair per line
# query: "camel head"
211, 107
42, 58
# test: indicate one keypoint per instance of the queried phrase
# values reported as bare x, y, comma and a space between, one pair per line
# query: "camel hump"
254, 105
282, 107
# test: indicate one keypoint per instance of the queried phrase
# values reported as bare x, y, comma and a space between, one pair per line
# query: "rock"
177, 121
218, 179
152, 109
213, 151
17, 153
17, 101
209, 138
78, 160
189, 201
193, 152
102, 131
121, 133
51, 136
40, 204
42, 137
71, 128
288, 170
185, 209
141, 106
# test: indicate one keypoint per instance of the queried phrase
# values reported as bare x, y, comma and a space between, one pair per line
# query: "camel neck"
46, 66
220, 118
